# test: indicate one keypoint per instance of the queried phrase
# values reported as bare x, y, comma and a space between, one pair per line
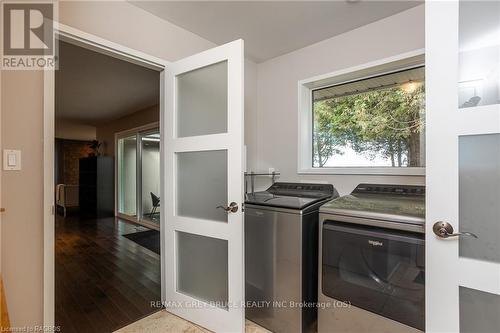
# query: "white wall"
126, 24
251, 128
275, 143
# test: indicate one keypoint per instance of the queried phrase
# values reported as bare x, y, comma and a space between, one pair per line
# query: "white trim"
305, 88
384, 171
163, 222
478, 120
487, 281
89, 41
95, 43
376, 67
441, 80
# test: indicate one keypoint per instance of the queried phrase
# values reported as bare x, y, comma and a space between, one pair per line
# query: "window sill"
381, 171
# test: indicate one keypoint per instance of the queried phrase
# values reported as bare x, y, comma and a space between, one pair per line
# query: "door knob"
232, 208
445, 230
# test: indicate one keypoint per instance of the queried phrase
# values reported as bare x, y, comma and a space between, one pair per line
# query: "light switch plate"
11, 159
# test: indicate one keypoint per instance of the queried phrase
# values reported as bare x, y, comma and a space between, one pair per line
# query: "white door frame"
98, 44
446, 270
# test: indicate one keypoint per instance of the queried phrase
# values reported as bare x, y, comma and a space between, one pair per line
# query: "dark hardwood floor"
104, 281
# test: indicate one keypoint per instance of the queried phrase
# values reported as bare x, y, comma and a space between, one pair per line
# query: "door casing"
74, 36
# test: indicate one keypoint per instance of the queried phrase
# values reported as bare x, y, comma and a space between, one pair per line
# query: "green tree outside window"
384, 123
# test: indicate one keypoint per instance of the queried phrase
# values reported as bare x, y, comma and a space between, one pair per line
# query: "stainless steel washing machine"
372, 261
281, 255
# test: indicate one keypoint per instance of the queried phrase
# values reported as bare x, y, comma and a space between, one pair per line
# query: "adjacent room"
107, 187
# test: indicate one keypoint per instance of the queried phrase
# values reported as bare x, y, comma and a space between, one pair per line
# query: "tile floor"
165, 322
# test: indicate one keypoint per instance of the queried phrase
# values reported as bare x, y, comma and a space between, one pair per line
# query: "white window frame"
305, 120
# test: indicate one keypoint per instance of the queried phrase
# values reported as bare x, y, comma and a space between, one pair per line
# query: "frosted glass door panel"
127, 173
479, 197
202, 184
479, 311
202, 268
202, 101
479, 44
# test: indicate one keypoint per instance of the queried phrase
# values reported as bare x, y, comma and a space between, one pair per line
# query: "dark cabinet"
97, 190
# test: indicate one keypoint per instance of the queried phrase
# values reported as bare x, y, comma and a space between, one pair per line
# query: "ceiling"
272, 28
93, 88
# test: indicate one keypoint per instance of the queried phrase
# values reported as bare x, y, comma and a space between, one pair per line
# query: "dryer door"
379, 270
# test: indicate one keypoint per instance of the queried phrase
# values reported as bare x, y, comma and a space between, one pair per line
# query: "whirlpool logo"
375, 243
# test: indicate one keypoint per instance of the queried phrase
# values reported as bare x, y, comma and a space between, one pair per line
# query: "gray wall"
106, 132
71, 130
275, 128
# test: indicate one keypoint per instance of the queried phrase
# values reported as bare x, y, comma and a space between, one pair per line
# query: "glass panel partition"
479, 184
202, 184
478, 311
202, 101
202, 268
127, 175
150, 180
138, 186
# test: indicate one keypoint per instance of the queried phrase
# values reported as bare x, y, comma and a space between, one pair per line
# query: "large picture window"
373, 122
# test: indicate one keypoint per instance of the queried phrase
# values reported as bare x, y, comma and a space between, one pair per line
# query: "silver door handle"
232, 208
445, 230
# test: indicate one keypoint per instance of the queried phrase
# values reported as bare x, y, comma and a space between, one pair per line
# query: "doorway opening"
138, 175
107, 264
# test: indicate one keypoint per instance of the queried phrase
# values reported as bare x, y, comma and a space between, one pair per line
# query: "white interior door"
463, 166
204, 178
